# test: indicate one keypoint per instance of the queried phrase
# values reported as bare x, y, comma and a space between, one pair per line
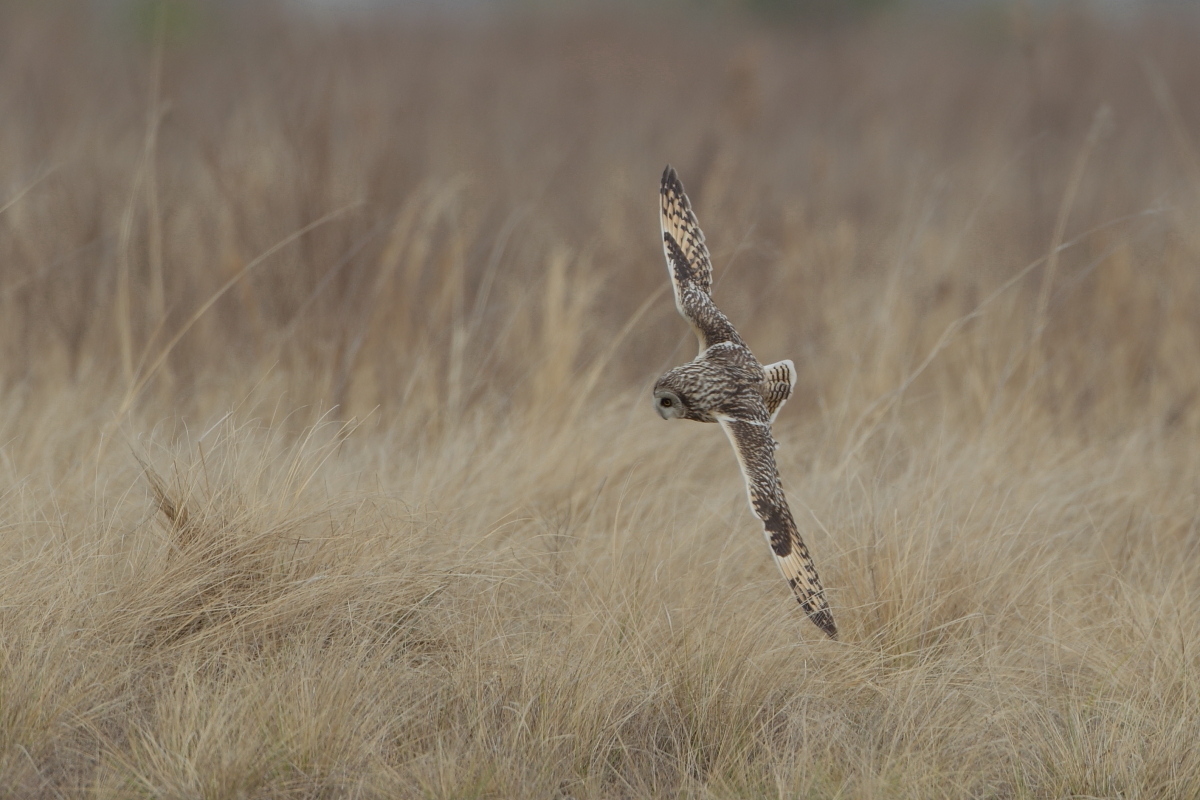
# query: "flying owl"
726, 384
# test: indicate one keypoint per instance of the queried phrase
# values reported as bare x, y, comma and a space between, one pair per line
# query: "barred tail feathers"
778, 384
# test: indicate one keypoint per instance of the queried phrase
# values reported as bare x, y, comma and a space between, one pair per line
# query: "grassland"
327, 461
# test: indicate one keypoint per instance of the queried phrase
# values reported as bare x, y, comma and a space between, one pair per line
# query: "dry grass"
328, 462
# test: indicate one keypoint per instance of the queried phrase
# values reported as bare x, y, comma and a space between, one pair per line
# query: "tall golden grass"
330, 469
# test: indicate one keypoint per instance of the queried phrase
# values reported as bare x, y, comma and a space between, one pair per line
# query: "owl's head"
686, 392
673, 395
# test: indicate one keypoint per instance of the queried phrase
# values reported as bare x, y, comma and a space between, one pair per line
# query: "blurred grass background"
328, 461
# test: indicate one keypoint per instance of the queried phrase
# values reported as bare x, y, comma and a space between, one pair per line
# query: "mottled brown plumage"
725, 383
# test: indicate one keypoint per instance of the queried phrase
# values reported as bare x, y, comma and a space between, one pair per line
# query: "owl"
726, 384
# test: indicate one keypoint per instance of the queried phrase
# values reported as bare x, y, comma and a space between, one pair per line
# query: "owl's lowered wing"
755, 449
690, 266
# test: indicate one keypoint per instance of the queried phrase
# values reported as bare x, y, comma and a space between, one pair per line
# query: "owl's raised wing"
690, 266
755, 449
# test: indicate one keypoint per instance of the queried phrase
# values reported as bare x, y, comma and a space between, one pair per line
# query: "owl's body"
725, 380
725, 383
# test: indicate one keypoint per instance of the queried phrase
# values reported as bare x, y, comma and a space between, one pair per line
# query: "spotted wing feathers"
755, 450
690, 266
778, 384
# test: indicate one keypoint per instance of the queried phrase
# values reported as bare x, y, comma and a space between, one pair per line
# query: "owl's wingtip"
670, 179
824, 621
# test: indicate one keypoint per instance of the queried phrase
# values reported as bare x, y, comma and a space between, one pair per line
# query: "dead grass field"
328, 466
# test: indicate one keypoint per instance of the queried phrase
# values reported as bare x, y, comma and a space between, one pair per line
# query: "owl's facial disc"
668, 405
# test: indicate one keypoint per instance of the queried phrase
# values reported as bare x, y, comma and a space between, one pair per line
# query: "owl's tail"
777, 386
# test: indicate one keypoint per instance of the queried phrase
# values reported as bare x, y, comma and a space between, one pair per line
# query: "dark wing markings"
755, 449
690, 266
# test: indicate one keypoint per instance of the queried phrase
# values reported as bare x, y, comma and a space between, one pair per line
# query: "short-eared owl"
726, 384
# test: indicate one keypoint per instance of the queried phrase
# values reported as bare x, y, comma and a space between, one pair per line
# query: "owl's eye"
665, 402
